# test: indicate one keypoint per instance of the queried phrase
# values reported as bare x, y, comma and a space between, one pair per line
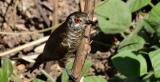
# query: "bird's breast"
72, 40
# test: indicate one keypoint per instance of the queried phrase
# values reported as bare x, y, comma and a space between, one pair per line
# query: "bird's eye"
77, 20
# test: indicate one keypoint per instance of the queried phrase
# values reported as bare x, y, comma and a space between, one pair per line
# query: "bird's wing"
53, 45
53, 49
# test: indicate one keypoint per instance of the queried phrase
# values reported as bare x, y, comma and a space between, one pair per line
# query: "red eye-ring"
77, 20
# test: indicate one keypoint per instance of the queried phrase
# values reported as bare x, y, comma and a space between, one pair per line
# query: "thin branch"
47, 75
151, 4
55, 12
89, 6
36, 42
41, 11
38, 31
82, 5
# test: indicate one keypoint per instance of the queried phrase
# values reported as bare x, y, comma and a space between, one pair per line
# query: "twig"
13, 16
38, 31
81, 5
8, 52
47, 75
84, 47
55, 11
89, 6
42, 13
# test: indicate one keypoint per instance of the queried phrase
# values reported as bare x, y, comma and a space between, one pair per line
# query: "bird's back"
52, 50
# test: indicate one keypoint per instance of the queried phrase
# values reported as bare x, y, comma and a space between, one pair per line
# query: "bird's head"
77, 20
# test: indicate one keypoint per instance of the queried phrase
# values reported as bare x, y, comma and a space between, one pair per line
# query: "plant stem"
39, 31
151, 4
47, 75
148, 75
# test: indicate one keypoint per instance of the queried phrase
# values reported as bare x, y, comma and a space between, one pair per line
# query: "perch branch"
84, 47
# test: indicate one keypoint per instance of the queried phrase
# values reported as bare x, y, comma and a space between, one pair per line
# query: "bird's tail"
37, 63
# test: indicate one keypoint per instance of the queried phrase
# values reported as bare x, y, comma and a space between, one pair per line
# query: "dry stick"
81, 5
11, 21
55, 11
84, 47
8, 52
42, 13
26, 32
14, 17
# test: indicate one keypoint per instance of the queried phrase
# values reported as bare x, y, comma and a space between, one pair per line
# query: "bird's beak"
90, 22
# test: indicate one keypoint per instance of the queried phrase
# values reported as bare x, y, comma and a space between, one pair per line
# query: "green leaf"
68, 67
135, 5
7, 67
148, 27
143, 64
3, 77
94, 79
154, 15
154, 19
155, 56
37, 80
6, 70
133, 42
64, 76
113, 16
130, 64
158, 31
86, 67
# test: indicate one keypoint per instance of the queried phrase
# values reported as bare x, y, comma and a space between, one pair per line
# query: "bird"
63, 41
